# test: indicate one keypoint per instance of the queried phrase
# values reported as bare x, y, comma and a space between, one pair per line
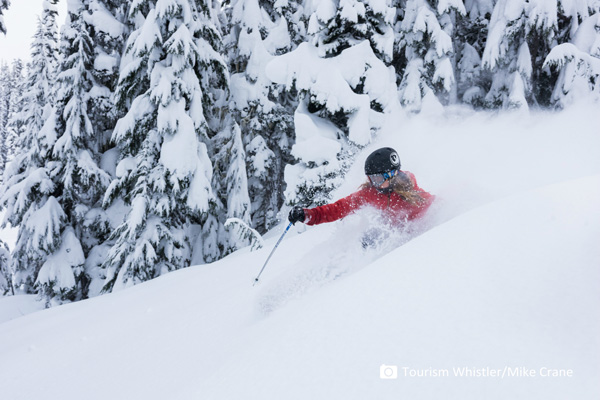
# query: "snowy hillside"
504, 282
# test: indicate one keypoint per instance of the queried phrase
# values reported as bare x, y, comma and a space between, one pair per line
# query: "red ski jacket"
391, 204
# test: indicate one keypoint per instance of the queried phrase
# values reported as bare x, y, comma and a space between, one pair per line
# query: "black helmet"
381, 161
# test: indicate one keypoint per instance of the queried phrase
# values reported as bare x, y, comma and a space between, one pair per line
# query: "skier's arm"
333, 212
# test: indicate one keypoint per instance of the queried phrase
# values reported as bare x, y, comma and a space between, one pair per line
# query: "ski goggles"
378, 179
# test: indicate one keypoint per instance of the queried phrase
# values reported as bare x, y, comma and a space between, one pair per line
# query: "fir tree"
577, 64
425, 39
35, 104
15, 105
521, 35
244, 233
507, 56
11, 83
230, 181
257, 30
340, 106
5, 95
4, 4
164, 174
108, 33
338, 25
551, 24
290, 14
472, 81
76, 156
6, 285
29, 193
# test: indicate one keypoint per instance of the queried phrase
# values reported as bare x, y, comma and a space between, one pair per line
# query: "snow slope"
506, 277
12, 307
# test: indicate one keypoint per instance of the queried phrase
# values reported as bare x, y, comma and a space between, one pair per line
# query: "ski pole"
272, 251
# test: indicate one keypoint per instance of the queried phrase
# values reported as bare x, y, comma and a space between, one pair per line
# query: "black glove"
296, 215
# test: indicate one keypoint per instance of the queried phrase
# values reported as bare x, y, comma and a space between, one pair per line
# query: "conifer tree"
4, 4
230, 182
472, 81
213, 242
5, 96
507, 56
171, 76
551, 24
256, 31
578, 61
521, 35
108, 33
337, 25
6, 285
11, 83
29, 193
351, 48
37, 97
15, 105
76, 156
425, 41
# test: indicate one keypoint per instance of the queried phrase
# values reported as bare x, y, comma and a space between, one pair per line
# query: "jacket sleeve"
333, 212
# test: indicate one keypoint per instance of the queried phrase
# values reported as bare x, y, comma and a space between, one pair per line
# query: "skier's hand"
296, 215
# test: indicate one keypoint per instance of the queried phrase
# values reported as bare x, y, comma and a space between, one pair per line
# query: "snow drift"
511, 284
505, 279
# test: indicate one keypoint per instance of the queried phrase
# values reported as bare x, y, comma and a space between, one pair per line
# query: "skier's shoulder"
362, 195
410, 176
366, 191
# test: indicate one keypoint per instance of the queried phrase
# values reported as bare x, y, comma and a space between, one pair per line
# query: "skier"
389, 189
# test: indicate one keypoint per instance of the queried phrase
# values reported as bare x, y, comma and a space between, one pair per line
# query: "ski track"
346, 257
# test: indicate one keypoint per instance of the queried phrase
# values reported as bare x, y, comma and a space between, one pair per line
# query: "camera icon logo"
388, 371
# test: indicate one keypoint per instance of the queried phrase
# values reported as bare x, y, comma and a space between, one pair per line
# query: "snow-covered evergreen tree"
4, 4
230, 182
425, 36
470, 34
244, 234
11, 84
37, 97
108, 34
171, 76
578, 63
552, 23
337, 25
6, 285
345, 88
5, 96
15, 105
107, 17
29, 193
257, 30
213, 242
521, 35
293, 16
76, 156
507, 56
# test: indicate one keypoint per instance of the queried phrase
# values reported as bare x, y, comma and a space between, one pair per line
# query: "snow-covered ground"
504, 282
12, 307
